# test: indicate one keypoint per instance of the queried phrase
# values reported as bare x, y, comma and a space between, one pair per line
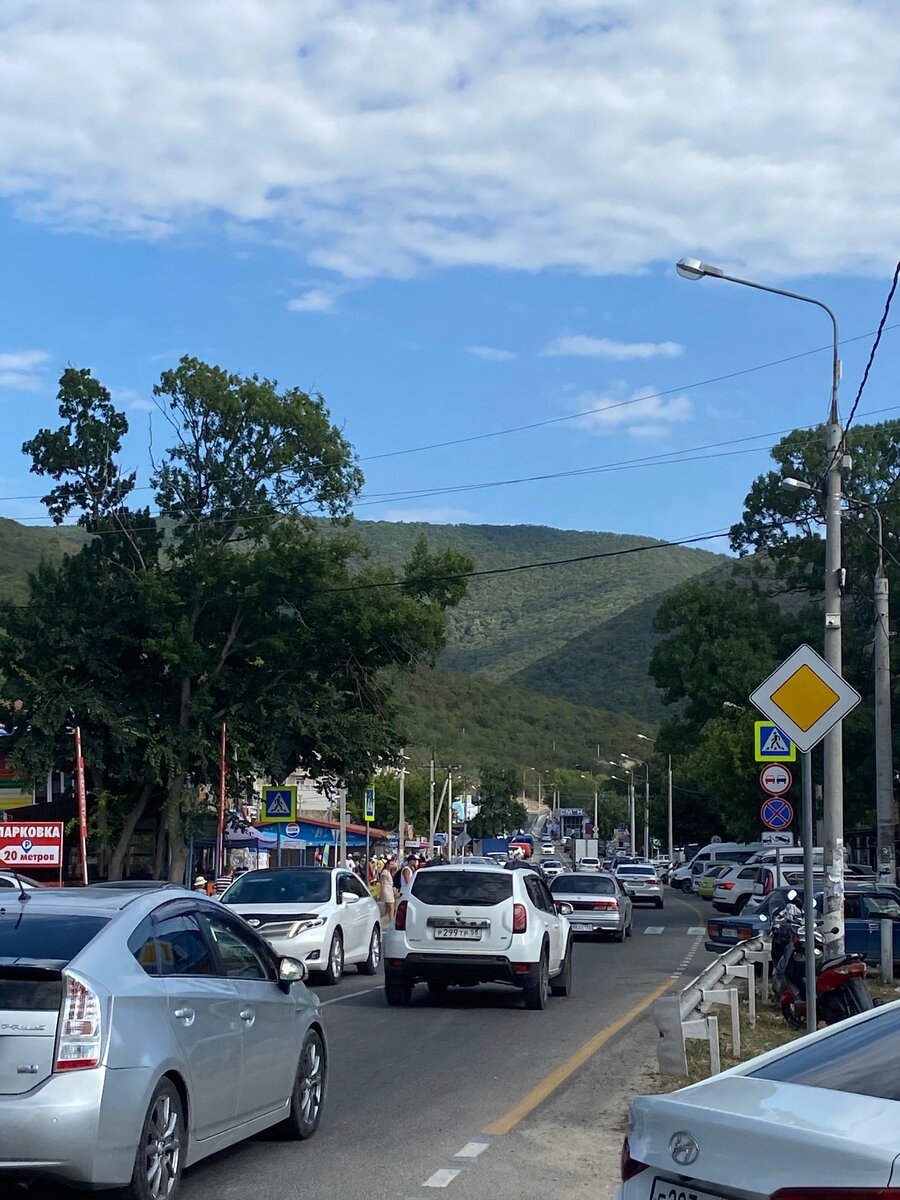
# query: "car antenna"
23, 895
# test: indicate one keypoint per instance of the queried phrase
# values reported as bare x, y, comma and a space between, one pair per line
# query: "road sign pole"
278, 845
809, 895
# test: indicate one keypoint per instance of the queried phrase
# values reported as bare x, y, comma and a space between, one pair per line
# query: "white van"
715, 852
788, 856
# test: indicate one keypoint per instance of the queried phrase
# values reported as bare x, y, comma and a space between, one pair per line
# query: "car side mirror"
565, 909
349, 898
290, 970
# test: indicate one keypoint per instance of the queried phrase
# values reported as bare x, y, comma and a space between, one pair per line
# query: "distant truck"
488, 846
523, 842
584, 848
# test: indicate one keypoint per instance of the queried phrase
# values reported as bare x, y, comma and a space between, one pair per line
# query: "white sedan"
813, 1120
325, 918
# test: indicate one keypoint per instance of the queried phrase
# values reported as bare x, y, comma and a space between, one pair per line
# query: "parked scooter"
841, 989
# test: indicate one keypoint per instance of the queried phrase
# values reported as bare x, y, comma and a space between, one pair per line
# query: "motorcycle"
841, 989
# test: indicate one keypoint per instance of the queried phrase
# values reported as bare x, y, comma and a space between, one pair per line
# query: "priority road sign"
370, 804
776, 813
805, 697
775, 779
279, 806
771, 745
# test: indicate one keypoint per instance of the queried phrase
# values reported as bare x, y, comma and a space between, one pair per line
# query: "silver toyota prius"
141, 1031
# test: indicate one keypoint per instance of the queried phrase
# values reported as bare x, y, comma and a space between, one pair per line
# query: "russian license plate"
664, 1189
458, 934
578, 927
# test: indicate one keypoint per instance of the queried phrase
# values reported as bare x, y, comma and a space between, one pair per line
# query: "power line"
871, 359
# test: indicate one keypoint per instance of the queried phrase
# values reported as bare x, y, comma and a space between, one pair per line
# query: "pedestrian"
387, 890
204, 885
406, 873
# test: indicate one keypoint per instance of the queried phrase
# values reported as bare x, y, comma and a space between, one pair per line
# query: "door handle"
185, 1014
873, 927
248, 1016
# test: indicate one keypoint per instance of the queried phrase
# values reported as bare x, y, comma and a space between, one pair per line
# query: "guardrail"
686, 1015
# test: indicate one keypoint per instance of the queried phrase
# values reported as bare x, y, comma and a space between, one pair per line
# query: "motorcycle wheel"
859, 998
794, 1018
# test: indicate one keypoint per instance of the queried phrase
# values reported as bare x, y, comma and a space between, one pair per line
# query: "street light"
694, 269
629, 766
640, 763
884, 770
669, 823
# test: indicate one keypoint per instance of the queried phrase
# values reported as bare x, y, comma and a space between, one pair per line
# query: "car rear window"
584, 885
462, 887
636, 870
52, 938
863, 1060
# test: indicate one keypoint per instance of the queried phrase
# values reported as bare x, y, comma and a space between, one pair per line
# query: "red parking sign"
31, 843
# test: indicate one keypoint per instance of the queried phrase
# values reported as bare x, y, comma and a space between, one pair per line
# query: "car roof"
108, 902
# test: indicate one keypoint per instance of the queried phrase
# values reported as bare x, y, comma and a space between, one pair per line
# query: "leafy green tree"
232, 605
500, 811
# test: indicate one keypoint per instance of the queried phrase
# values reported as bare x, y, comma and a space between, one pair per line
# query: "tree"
232, 604
499, 810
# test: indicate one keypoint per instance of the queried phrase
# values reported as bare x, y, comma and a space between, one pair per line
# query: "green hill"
23, 548
508, 623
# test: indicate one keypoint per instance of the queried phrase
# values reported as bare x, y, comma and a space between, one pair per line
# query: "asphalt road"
411, 1088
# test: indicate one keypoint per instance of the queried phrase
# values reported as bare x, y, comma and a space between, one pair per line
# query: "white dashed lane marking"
441, 1179
696, 929
472, 1150
655, 929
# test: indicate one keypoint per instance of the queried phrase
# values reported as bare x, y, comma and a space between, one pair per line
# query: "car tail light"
628, 1166
713, 930
726, 886
520, 918
653, 882
608, 905
400, 917
744, 933
78, 1046
769, 883
837, 1193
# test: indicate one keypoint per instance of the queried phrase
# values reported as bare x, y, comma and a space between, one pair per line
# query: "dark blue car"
865, 906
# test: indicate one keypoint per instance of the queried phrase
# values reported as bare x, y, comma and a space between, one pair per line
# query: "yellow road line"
556, 1078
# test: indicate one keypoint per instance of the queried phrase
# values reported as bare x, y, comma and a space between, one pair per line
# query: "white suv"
470, 925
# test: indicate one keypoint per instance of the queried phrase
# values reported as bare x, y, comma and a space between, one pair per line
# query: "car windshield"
551, 862
591, 885
41, 937
475, 888
281, 887
862, 1060
636, 870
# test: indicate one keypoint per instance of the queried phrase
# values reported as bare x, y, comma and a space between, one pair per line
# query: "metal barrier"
686, 1014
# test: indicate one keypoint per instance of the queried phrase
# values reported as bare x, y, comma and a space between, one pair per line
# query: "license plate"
580, 928
663, 1189
467, 935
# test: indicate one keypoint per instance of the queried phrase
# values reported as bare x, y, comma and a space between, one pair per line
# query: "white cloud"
434, 516
20, 369
391, 136
317, 299
580, 345
641, 413
492, 353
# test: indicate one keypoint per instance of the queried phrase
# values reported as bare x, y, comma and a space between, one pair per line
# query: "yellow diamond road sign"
805, 697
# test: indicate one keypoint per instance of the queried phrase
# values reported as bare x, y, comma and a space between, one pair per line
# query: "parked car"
599, 903
865, 906
551, 867
151, 1029
19, 882
470, 925
734, 890
641, 882
709, 878
327, 919
815, 1118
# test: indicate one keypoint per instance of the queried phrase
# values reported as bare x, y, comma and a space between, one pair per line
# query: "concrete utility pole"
833, 914
430, 804
669, 814
401, 832
449, 813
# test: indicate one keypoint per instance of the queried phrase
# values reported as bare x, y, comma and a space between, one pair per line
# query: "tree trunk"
159, 856
173, 825
123, 844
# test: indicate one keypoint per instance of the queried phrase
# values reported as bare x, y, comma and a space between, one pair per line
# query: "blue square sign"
771, 744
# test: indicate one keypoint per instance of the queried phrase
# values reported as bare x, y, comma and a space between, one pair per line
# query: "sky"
455, 219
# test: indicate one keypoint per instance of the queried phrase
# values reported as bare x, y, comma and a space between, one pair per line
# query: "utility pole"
884, 765
401, 832
647, 812
343, 830
431, 803
449, 813
671, 839
833, 907
596, 813
631, 819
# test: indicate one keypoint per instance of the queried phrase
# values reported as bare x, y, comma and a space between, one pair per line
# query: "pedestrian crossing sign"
279, 806
772, 745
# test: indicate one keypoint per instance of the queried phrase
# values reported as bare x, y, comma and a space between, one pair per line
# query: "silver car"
141, 1031
599, 904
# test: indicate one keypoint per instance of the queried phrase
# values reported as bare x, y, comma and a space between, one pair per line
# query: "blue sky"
453, 219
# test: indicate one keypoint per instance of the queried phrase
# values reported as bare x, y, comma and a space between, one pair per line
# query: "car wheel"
536, 994
619, 935
658, 904
309, 1091
373, 961
740, 904
630, 930
160, 1152
437, 987
335, 968
562, 984
397, 992
686, 887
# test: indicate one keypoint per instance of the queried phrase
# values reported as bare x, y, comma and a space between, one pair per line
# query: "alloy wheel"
163, 1147
310, 1081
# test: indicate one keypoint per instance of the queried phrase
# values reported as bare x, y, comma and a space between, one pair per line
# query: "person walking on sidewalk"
387, 890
